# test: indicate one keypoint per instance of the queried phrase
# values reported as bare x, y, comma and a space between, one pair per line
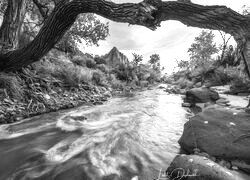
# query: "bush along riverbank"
56, 83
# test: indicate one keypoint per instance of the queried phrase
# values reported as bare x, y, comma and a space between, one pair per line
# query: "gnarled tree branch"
149, 13
43, 9
62, 18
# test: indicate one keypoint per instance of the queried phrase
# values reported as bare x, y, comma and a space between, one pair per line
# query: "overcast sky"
171, 40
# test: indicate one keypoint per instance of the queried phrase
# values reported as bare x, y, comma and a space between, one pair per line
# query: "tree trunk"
61, 19
210, 17
11, 26
149, 13
245, 53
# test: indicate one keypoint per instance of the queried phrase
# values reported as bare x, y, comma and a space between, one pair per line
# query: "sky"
171, 41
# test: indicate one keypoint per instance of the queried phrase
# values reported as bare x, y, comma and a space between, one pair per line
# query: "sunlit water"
126, 138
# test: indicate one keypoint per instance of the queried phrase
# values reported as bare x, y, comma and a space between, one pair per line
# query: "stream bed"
126, 138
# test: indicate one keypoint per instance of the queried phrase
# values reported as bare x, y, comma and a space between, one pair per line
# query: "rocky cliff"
115, 57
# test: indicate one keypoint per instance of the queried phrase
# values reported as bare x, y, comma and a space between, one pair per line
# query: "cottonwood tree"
149, 13
86, 29
137, 59
202, 49
155, 62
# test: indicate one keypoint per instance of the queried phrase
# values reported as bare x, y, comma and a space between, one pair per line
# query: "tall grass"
84, 61
73, 75
13, 85
69, 73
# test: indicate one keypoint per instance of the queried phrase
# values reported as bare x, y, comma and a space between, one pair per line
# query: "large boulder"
239, 88
201, 95
221, 132
194, 167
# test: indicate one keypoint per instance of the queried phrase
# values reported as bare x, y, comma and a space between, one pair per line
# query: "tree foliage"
155, 62
246, 10
3, 6
183, 65
202, 49
149, 13
87, 28
137, 59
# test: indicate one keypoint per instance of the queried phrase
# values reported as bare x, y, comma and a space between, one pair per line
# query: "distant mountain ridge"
115, 57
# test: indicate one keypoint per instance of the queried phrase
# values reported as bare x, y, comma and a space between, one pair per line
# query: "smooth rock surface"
220, 132
194, 167
201, 95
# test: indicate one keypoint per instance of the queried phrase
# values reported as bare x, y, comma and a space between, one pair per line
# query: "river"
126, 138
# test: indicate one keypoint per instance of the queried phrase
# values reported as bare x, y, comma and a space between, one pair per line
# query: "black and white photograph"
124, 90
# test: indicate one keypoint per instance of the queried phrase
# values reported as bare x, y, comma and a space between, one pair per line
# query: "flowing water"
125, 138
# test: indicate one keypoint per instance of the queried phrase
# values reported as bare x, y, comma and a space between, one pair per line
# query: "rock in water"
220, 132
194, 167
201, 95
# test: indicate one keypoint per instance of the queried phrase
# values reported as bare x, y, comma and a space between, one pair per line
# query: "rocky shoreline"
216, 139
13, 110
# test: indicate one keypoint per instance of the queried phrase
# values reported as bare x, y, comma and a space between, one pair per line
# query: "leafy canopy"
137, 59
87, 28
202, 49
155, 62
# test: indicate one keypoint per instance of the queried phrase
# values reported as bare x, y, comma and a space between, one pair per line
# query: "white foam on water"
6, 131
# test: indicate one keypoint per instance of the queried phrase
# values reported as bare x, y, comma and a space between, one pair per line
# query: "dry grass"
12, 84
69, 73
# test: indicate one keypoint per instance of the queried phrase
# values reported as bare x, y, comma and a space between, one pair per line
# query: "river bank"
125, 137
13, 110
39, 98
215, 140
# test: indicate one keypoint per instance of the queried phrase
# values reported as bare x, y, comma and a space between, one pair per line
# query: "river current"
128, 138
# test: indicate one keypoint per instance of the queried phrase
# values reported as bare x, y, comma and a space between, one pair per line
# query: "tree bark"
11, 26
61, 19
149, 13
210, 17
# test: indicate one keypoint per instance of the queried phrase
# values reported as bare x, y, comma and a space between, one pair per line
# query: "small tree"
183, 65
202, 49
137, 59
155, 62
225, 37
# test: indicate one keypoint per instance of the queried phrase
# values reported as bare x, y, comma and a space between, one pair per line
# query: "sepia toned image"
124, 90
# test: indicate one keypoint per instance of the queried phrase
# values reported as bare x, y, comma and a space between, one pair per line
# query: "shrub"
45, 67
98, 77
184, 83
115, 83
90, 63
79, 60
100, 60
73, 75
239, 80
154, 77
12, 84
103, 68
218, 77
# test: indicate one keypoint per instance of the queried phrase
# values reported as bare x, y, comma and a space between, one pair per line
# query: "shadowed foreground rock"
201, 95
194, 167
220, 132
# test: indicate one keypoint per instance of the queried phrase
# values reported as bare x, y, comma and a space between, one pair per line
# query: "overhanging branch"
149, 13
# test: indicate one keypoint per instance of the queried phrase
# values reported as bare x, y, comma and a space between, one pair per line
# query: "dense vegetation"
211, 65
67, 77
